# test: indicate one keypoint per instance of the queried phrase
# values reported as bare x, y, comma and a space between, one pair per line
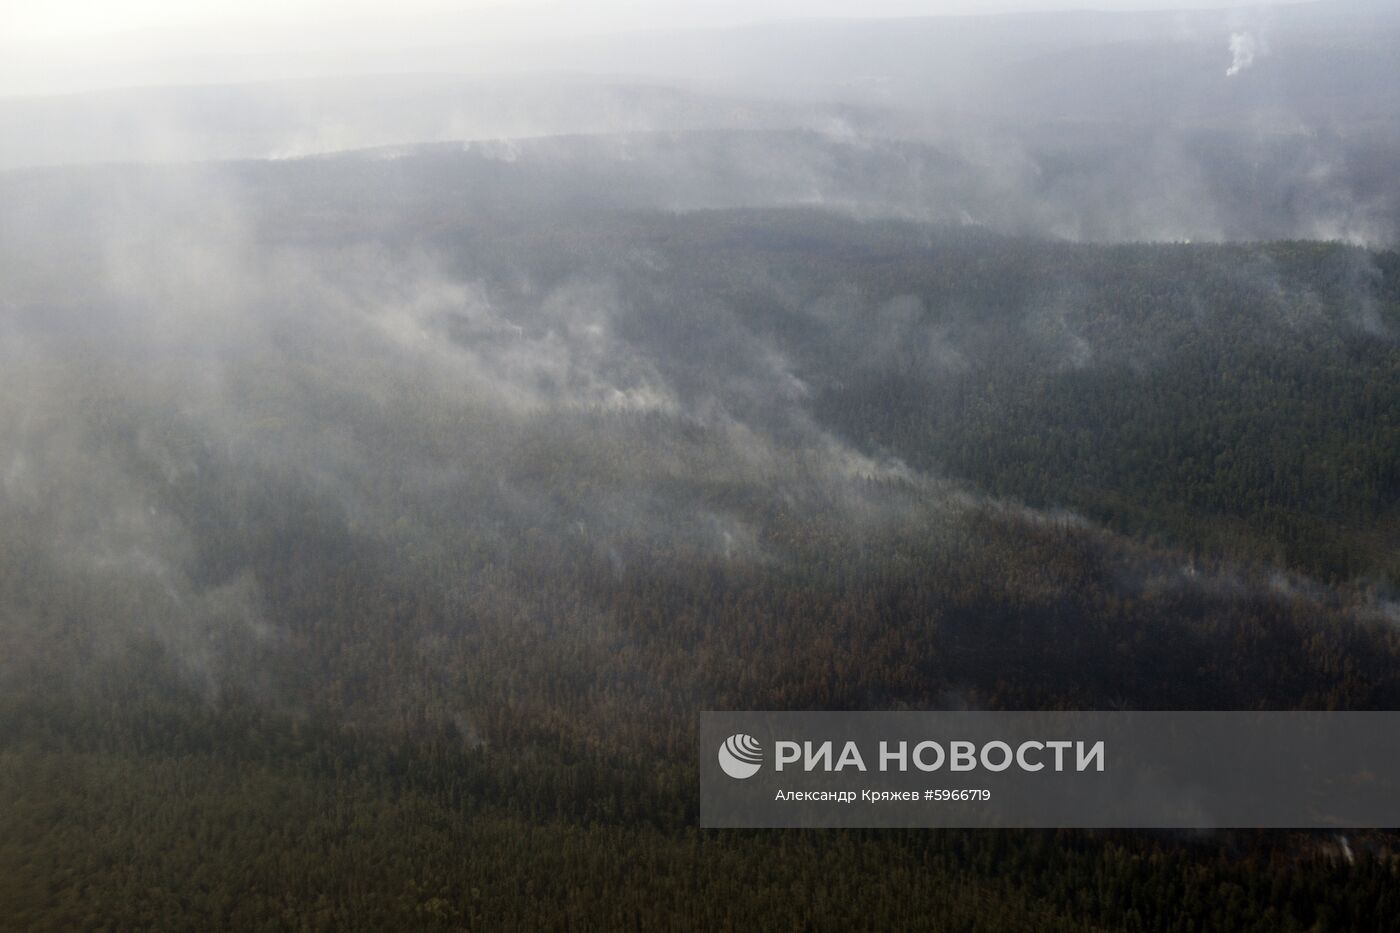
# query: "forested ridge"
360, 606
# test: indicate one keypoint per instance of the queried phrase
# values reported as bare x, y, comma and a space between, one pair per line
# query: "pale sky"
49, 46
69, 20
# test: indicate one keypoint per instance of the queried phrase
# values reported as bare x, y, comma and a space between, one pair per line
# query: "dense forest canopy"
454, 512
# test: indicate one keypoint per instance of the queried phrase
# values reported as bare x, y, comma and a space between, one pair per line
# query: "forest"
381, 588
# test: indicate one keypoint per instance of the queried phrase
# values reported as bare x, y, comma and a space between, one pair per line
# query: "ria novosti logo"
741, 756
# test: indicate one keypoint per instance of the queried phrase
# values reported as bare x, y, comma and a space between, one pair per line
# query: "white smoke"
1243, 49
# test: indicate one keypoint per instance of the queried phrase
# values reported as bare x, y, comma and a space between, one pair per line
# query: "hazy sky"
49, 21
58, 45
